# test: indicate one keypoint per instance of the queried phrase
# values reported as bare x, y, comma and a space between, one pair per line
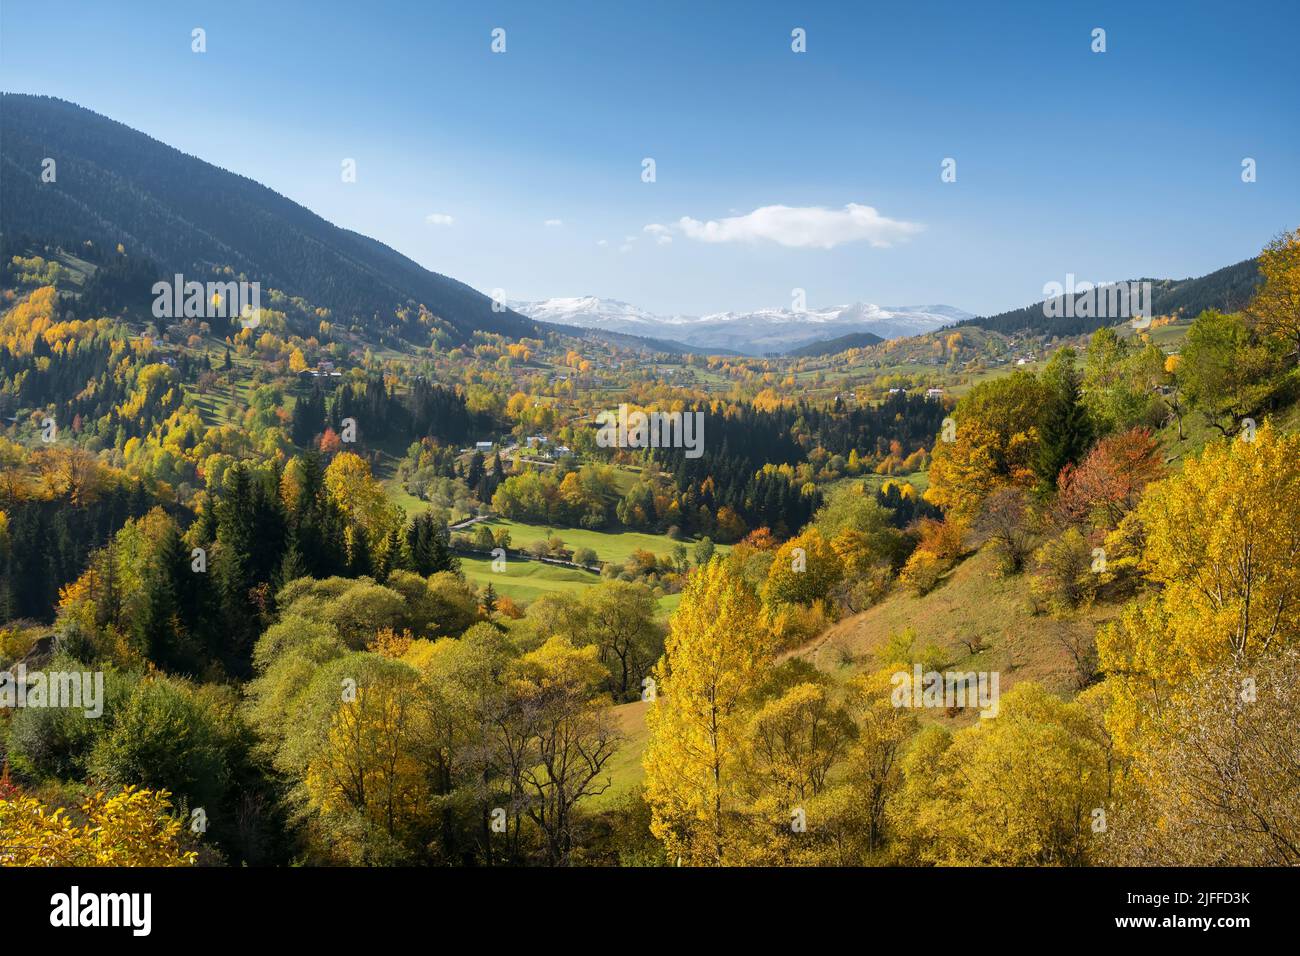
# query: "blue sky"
1106, 165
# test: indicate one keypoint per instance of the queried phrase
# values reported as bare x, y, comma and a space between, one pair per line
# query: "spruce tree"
1066, 431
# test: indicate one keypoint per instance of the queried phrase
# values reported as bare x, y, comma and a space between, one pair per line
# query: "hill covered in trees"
115, 185
854, 340
1226, 290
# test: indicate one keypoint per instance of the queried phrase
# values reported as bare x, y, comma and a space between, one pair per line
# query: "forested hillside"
115, 185
1226, 290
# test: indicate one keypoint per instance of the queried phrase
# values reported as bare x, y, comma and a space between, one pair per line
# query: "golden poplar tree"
717, 650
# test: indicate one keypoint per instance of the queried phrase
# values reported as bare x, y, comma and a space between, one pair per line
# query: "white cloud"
602, 242
660, 233
553, 223
813, 227
439, 219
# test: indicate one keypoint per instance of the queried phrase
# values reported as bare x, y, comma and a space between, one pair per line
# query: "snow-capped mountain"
754, 333
590, 312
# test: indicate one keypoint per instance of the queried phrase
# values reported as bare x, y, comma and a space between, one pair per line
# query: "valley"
624, 651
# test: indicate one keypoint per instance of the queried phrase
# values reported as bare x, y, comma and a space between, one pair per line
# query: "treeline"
192, 599
424, 410
48, 536
756, 471
1225, 290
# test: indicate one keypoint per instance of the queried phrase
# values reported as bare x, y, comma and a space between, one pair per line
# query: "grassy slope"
972, 603
624, 768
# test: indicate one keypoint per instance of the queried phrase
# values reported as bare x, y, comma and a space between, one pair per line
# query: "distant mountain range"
751, 333
116, 185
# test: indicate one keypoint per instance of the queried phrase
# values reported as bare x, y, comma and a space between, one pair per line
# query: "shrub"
795, 624
901, 651
1007, 521
164, 738
943, 539
1063, 576
922, 572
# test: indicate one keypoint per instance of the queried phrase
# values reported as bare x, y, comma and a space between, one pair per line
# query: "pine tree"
1066, 430
308, 419
1064, 439
474, 476
391, 556
443, 559
291, 566
241, 563
157, 626
360, 561
419, 544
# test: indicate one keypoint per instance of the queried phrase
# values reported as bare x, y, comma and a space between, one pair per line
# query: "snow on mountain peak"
754, 332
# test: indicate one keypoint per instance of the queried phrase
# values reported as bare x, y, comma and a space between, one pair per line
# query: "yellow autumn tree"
130, 828
1223, 555
1019, 789
717, 651
367, 783
992, 442
793, 741
361, 497
1275, 309
804, 570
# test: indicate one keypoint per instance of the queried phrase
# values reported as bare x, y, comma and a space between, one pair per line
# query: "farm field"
523, 581
609, 546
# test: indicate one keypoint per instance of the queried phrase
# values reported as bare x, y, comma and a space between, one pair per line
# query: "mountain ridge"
1227, 289
756, 332
114, 184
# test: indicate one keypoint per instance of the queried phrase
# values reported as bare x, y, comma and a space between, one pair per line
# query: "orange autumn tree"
1108, 483
994, 443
